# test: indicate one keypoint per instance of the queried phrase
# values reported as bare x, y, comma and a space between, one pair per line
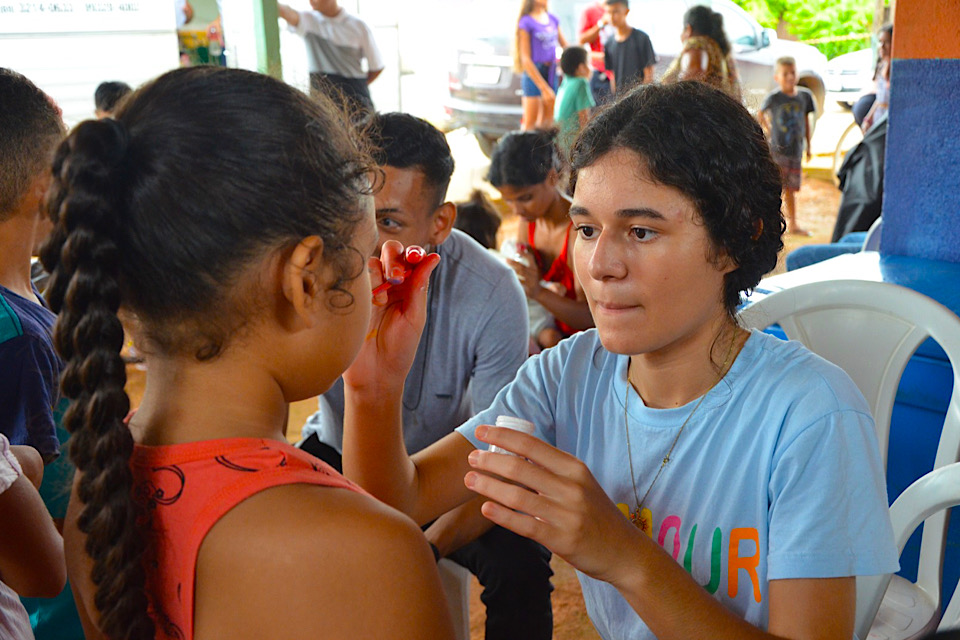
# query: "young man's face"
408, 210
324, 6
786, 77
617, 14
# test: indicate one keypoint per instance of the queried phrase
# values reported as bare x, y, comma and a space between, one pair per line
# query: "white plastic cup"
512, 249
517, 424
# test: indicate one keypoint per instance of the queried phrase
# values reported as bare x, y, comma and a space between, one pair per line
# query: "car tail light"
454, 82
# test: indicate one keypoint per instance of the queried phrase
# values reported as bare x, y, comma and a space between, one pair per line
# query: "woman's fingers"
391, 271
533, 449
391, 257
551, 497
521, 524
420, 277
522, 510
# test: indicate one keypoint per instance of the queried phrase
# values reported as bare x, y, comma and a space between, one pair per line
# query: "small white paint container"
517, 424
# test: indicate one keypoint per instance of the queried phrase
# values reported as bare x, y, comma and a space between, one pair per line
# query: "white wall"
69, 47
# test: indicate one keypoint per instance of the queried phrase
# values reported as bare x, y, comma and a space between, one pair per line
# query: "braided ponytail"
86, 202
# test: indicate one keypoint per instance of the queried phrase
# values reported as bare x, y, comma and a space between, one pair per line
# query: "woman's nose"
605, 260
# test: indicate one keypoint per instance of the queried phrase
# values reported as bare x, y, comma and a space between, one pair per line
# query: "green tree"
816, 19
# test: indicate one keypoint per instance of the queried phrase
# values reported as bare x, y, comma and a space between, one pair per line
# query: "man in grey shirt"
337, 43
474, 341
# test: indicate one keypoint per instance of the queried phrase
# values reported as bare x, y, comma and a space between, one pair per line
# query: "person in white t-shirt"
337, 43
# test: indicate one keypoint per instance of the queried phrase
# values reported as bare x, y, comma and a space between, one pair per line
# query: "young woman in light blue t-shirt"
704, 480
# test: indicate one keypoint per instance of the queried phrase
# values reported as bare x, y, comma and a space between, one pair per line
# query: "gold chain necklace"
637, 517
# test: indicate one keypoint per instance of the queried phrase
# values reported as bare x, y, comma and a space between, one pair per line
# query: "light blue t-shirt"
777, 475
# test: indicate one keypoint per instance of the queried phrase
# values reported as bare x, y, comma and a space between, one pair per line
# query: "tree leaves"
817, 20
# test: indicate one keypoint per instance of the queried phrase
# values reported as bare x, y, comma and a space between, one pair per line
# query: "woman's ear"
303, 280
553, 177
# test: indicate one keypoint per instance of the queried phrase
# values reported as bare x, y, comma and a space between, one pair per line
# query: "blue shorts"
549, 72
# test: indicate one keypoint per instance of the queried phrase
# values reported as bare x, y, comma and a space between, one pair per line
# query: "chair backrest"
871, 330
872, 241
927, 497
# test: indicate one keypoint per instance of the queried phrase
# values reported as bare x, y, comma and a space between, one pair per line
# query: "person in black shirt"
628, 53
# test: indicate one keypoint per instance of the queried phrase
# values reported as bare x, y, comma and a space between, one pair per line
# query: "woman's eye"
586, 232
643, 234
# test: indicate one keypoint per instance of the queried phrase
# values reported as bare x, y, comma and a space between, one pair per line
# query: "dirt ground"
816, 211
817, 205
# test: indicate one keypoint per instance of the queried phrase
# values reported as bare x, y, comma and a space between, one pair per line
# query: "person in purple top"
538, 35
30, 129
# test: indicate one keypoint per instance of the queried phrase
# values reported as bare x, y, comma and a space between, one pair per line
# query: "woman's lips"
613, 307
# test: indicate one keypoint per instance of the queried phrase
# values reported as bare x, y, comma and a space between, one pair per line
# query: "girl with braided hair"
244, 268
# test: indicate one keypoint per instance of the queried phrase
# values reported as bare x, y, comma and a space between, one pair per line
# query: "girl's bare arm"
31, 549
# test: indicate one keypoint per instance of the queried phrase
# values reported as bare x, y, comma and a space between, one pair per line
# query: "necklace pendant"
640, 521
666, 459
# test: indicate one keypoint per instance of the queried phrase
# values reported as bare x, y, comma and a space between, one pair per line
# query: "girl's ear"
303, 283
552, 178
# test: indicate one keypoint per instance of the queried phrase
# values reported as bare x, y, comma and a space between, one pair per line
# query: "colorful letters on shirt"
743, 552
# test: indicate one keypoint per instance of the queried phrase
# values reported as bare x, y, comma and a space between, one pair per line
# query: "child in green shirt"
574, 99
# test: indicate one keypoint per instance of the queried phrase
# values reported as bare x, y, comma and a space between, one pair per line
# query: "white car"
485, 90
755, 49
850, 76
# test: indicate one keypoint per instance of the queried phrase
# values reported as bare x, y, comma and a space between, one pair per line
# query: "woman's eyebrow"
643, 212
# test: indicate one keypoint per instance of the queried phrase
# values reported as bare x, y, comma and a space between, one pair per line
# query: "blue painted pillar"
921, 207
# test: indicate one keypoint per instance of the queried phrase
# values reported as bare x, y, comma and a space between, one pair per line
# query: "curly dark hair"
204, 173
704, 143
524, 158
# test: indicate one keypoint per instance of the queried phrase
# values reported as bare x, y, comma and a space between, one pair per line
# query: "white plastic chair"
893, 605
872, 241
456, 586
871, 330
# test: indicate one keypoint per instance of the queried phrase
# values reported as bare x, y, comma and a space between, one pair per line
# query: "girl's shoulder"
344, 543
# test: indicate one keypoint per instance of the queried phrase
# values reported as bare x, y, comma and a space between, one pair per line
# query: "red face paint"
411, 255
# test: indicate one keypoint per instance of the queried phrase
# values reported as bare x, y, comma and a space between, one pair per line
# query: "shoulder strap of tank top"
566, 244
